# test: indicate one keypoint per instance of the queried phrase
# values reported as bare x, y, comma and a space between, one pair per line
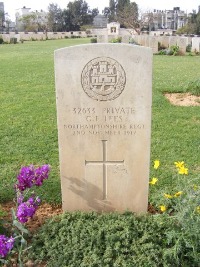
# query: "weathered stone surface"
104, 119
182, 43
196, 44
153, 43
172, 41
102, 38
165, 41
126, 39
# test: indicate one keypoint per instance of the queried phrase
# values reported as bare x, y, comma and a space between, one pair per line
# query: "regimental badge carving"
103, 79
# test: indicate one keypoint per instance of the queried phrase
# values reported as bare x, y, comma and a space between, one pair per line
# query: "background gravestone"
196, 44
104, 119
172, 41
165, 41
153, 43
102, 38
182, 43
125, 39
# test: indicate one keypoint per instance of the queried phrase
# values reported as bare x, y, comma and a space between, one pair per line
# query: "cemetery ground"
28, 134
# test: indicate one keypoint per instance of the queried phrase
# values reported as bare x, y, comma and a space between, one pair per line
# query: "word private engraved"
103, 79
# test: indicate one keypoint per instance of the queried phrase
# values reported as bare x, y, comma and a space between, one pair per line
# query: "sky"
10, 6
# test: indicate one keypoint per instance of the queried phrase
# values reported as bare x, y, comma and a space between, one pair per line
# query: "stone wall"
31, 36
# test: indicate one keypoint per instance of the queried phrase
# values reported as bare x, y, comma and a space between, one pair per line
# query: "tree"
2, 20
8, 22
41, 21
146, 21
193, 24
129, 17
78, 14
110, 12
94, 12
55, 18
121, 5
28, 22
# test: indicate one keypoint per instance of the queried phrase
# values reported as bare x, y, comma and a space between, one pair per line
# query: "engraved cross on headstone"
104, 162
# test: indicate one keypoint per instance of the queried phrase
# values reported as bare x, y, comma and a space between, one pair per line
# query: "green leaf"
20, 227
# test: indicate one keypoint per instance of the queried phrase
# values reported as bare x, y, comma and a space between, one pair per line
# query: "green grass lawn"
28, 130
28, 135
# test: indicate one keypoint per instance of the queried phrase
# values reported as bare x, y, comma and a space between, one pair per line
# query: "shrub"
186, 234
2, 214
116, 40
91, 239
88, 32
188, 48
93, 40
13, 40
196, 52
162, 52
74, 36
1, 40
26, 205
174, 50
193, 87
66, 37
132, 41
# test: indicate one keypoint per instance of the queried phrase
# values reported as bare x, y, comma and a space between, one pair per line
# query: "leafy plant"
91, 239
13, 40
116, 40
25, 209
162, 52
93, 40
2, 215
188, 48
132, 41
174, 50
193, 87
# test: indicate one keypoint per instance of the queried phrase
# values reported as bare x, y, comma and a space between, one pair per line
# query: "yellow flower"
163, 208
179, 164
198, 209
195, 187
168, 196
178, 194
183, 170
154, 181
156, 164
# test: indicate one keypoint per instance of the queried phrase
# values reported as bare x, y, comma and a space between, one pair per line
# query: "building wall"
40, 15
100, 21
167, 19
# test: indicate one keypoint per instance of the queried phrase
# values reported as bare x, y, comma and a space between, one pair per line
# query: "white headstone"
153, 43
172, 41
125, 39
182, 43
104, 126
196, 44
165, 41
102, 38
